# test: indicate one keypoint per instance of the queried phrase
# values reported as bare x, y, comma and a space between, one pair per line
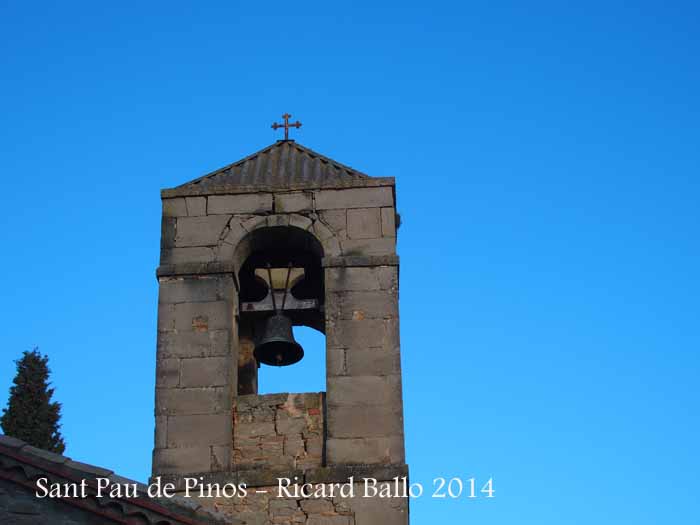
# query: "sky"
546, 162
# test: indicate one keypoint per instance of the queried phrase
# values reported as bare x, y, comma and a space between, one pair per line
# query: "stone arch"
246, 245
234, 244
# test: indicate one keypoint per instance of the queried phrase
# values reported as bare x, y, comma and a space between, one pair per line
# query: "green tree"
30, 414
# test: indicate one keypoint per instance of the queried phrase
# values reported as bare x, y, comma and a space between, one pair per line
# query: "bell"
277, 346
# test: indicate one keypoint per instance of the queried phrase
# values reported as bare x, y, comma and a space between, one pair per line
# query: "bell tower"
282, 238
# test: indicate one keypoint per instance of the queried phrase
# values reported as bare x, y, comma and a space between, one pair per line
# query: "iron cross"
286, 125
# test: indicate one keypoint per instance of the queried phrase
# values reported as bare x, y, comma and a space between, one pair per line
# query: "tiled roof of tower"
281, 165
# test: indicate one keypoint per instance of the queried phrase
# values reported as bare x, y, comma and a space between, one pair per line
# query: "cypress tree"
30, 414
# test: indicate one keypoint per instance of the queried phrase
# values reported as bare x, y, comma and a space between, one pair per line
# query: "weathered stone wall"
278, 431
205, 229
195, 371
365, 407
266, 508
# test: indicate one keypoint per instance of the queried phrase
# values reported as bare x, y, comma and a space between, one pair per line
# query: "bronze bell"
277, 346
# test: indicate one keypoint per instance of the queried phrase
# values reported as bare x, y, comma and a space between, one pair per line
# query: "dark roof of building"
284, 164
23, 464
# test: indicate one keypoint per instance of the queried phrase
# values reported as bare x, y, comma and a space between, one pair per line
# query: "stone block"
161, 430
201, 317
372, 361
312, 400
279, 508
300, 221
388, 277
192, 401
204, 371
193, 344
358, 305
242, 203
336, 220
279, 505
332, 247
336, 362
200, 231
252, 517
391, 334
364, 223
294, 447
323, 233
333, 520
199, 430
290, 425
295, 404
387, 511
224, 252
259, 414
235, 233
174, 207
192, 254
189, 289
365, 391
364, 333
255, 428
358, 451
367, 278
388, 222
381, 246
196, 206
277, 220
254, 222
317, 506
293, 202
338, 279
254, 400
221, 457
314, 446
354, 198
167, 232
181, 460
167, 373
364, 421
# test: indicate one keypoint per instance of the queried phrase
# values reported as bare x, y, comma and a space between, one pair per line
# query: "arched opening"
281, 293
279, 412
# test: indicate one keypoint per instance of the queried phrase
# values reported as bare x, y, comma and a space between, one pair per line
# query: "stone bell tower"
290, 233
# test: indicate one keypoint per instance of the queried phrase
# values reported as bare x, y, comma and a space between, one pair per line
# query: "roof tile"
283, 164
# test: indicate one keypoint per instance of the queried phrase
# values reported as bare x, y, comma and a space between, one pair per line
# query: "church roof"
282, 165
21, 465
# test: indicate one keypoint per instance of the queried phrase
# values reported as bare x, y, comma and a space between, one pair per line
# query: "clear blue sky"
546, 158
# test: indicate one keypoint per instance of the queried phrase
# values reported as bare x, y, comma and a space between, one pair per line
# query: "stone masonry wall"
262, 506
365, 407
194, 374
352, 221
278, 431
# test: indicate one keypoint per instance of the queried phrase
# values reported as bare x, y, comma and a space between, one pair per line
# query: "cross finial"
286, 125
